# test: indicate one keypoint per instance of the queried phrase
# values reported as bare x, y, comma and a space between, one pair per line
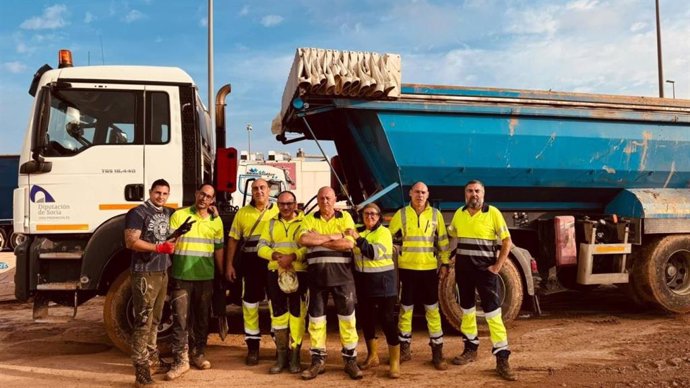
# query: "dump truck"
595, 188
98, 136
9, 168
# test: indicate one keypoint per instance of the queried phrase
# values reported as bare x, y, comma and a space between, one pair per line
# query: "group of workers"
297, 261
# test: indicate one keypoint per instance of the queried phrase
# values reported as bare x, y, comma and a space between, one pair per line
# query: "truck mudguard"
523, 258
105, 243
663, 210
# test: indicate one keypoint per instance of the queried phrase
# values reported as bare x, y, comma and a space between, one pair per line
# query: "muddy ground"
582, 340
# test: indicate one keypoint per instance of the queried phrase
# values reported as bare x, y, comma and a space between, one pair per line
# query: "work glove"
182, 229
166, 247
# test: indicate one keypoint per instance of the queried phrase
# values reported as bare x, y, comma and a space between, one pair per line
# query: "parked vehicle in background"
9, 168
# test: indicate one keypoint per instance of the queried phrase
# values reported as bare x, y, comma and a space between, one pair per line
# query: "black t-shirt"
155, 227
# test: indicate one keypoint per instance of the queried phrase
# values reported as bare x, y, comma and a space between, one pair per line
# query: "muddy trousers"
470, 278
148, 296
419, 287
288, 311
345, 300
191, 306
256, 271
382, 309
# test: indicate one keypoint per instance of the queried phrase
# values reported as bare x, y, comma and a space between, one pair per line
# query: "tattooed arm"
135, 243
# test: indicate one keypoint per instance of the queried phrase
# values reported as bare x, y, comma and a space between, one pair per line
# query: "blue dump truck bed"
536, 150
9, 168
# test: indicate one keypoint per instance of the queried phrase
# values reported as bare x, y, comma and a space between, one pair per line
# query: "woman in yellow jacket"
377, 290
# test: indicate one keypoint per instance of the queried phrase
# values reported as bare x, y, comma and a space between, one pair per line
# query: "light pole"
673, 86
658, 52
249, 140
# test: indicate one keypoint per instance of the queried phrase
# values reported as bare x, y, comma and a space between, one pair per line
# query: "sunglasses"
370, 214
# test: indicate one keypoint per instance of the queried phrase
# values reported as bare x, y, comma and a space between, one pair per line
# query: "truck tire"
3, 239
663, 271
16, 239
118, 315
510, 294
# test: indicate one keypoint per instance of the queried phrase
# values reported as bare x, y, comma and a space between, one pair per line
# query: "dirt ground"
582, 340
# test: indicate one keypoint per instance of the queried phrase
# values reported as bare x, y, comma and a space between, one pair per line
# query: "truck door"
162, 151
93, 136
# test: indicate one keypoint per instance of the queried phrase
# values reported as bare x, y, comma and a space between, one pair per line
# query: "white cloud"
89, 17
244, 11
532, 21
22, 48
638, 26
271, 20
134, 15
203, 22
582, 4
14, 67
52, 18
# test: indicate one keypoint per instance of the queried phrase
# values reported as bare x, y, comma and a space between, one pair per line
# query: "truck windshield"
78, 119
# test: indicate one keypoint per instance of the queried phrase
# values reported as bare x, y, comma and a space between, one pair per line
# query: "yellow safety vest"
424, 238
281, 236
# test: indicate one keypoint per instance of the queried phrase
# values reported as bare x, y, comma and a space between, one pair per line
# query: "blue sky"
600, 46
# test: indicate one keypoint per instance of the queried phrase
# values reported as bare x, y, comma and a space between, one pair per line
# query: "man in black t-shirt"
146, 233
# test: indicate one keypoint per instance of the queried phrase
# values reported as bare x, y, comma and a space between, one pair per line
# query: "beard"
474, 204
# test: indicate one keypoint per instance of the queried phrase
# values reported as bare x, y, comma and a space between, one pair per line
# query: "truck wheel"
118, 315
16, 239
510, 293
3, 239
663, 272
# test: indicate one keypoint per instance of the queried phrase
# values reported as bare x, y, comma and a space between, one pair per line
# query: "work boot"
179, 367
437, 357
200, 362
282, 338
351, 368
405, 352
503, 369
158, 366
317, 367
252, 353
394, 361
468, 355
142, 375
295, 364
372, 359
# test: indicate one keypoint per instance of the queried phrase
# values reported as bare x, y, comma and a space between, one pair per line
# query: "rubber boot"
468, 355
317, 367
504, 370
351, 368
179, 367
437, 357
372, 359
252, 353
281, 338
394, 361
405, 352
142, 376
295, 364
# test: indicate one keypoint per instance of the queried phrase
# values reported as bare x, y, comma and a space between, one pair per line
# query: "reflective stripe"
253, 238
469, 311
374, 269
406, 308
419, 238
318, 319
476, 241
473, 252
191, 252
348, 318
326, 260
287, 244
197, 240
418, 249
492, 314
428, 307
387, 256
